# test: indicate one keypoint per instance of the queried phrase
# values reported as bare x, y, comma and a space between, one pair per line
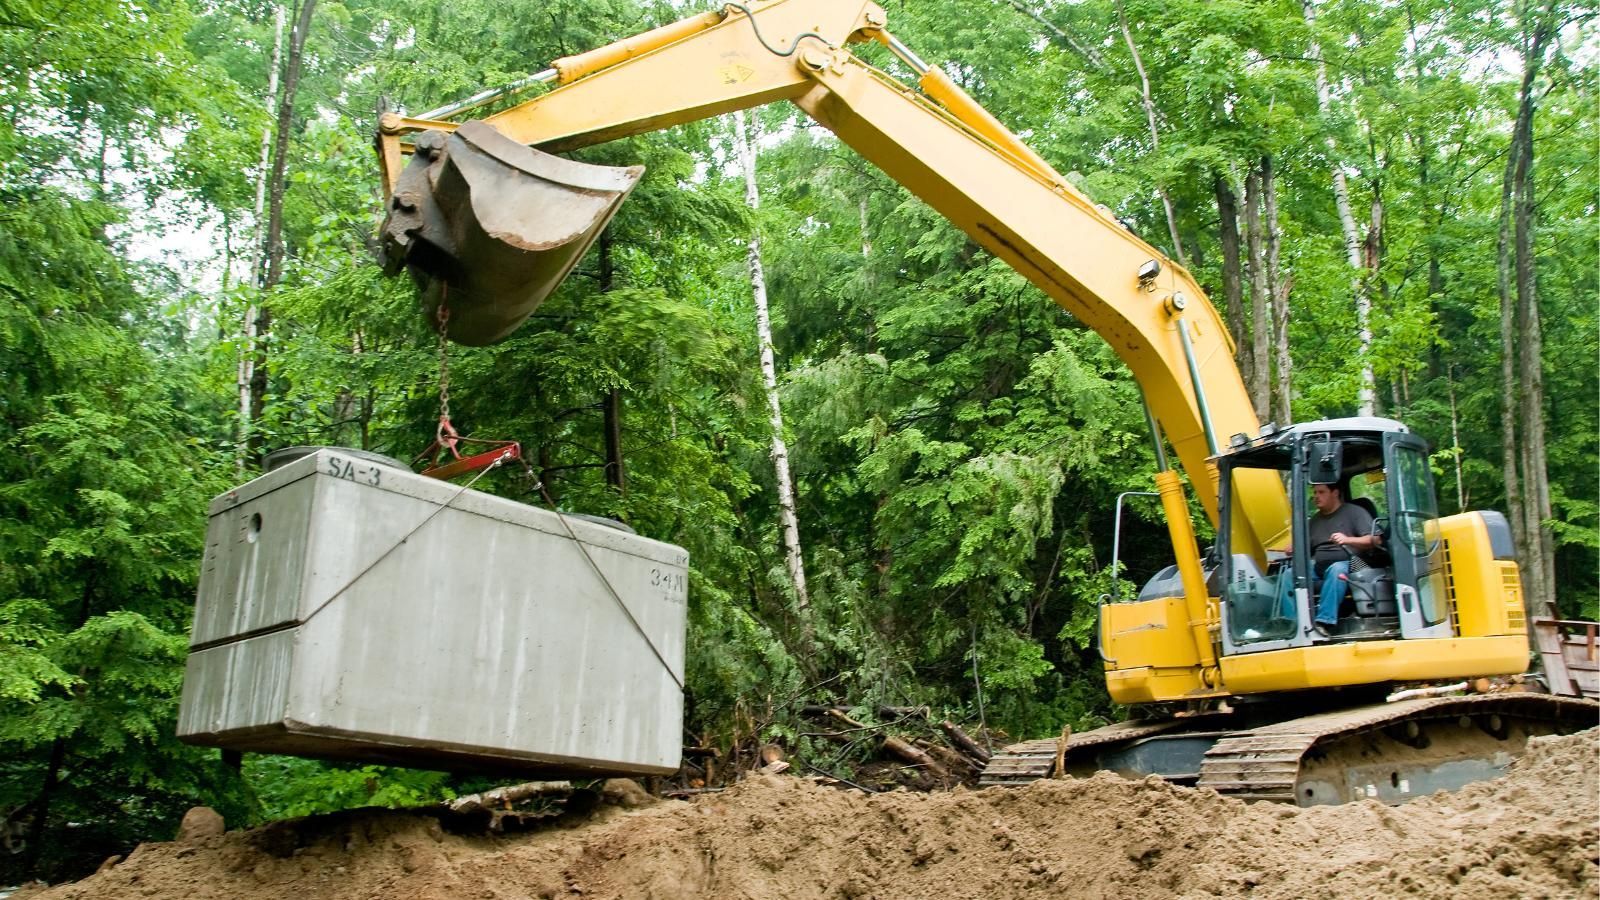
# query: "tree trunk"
1155, 138
611, 412
1366, 394
1535, 476
58, 748
42, 804
789, 519
866, 234
547, 471
346, 415
1455, 441
503, 797
964, 741
915, 757
1260, 381
1509, 447
247, 349
1232, 280
1372, 248
611, 403
1278, 284
273, 248
1424, 165
1432, 200
1371, 262
368, 406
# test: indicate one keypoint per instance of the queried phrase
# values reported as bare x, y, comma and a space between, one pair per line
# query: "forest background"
188, 201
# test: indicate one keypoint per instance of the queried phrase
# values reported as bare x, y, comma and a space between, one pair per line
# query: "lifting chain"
443, 317
443, 457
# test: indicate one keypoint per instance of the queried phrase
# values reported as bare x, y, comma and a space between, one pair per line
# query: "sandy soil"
1533, 833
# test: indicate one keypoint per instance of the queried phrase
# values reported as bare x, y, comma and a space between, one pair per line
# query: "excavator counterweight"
489, 227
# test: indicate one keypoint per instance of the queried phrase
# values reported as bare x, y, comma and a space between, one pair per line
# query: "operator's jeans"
1331, 590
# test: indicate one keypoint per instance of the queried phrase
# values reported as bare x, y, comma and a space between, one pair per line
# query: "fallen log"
914, 756
964, 742
505, 796
952, 760
890, 743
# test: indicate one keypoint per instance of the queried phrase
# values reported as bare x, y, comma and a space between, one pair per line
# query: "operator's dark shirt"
1350, 519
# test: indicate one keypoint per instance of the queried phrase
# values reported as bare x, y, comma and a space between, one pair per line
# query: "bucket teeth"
490, 227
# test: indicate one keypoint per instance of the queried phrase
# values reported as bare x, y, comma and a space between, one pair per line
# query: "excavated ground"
1533, 833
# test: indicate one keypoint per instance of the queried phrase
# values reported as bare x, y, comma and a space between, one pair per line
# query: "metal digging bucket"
490, 227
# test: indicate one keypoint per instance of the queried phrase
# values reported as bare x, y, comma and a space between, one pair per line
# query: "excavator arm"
943, 147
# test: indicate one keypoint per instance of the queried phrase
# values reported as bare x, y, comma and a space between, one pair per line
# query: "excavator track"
1273, 762
1027, 761
1388, 751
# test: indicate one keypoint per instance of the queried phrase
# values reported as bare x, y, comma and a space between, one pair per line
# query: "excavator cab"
1439, 597
1392, 590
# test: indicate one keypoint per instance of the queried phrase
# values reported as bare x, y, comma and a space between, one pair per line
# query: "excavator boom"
939, 144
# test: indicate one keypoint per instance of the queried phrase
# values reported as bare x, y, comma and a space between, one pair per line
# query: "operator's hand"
1343, 539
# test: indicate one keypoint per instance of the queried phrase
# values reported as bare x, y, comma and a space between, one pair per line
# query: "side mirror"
1324, 462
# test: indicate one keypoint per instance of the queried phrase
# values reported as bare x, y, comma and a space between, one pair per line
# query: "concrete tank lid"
429, 490
279, 458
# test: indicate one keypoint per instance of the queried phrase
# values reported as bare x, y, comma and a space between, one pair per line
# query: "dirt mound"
1533, 833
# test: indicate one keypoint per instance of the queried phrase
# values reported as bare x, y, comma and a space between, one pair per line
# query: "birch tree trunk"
1278, 284
273, 245
1347, 222
1260, 321
769, 376
1155, 138
247, 349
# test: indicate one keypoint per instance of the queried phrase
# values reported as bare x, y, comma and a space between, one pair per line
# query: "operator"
1338, 531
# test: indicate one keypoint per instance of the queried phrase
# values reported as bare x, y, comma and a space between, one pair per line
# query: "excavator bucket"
489, 227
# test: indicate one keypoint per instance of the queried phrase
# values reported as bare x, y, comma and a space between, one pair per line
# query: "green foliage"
286, 787
102, 478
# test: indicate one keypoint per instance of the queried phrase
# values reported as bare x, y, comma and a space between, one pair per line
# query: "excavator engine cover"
489, 227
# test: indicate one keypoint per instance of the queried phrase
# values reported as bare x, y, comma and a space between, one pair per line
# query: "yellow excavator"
1233, 684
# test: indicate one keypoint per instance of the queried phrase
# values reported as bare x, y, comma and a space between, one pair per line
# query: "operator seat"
1366, 504
1371, 580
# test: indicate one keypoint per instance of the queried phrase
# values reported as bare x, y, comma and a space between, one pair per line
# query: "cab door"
1412, 536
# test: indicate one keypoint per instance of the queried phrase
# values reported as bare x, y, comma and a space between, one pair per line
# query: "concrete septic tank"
353, 610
